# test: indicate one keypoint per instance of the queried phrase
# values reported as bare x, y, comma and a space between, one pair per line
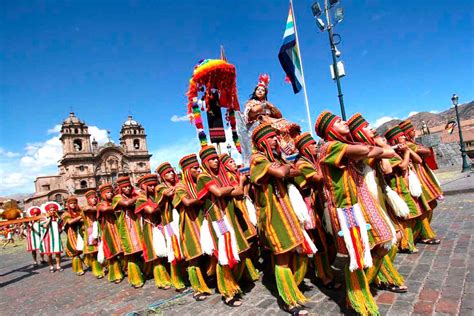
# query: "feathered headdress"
263, 80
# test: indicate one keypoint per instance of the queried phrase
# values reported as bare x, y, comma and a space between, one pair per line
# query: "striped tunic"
33, 237
277, 222
89, 218
216, 208
50, 237
190, 220
399, 183
149, 221
72, 231
109, 232
128, 225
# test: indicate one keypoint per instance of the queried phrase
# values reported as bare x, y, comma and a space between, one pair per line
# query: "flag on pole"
450, 126
289, 54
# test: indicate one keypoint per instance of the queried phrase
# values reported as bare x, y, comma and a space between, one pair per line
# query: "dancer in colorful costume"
74, 227
109, 237
154, 243
164, 194
129, 228
190, 220
310, 184
346, 209
383, 271
404, 181
33, 236
259, 110
217, 191
91, 233
243, 218
279, 228
429, 182
50, 235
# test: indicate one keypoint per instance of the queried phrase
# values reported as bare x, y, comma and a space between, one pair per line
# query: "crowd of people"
356, 195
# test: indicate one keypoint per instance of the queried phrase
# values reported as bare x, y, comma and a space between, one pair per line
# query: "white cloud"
175, 118
40, 155
56, 129
8, 154
382, 120
412, 113
100, 135
434, 111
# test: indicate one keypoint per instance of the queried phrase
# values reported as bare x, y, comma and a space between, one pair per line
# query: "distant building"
445, 145
85, 165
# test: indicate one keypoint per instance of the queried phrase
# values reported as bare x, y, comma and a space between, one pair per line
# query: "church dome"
130, 122
72, 119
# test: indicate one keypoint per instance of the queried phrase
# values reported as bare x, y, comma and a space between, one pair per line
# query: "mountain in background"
466, 112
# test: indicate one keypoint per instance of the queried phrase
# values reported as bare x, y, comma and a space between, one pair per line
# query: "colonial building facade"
85, 165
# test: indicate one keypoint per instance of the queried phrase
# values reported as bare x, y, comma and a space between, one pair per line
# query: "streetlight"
229, 149
465, 165
337, 67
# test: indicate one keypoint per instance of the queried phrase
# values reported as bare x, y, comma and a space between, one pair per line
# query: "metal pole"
465, 165
334, 60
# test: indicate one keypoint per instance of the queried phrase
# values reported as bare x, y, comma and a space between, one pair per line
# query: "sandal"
397, 289
295, 310
200, 297
51, 270
432, 241
118, 281
61, 269
80, 273
138, 286
233, 302
35, 264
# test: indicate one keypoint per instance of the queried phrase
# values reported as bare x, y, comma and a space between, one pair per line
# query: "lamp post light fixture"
337, 67
465, 165
229, 150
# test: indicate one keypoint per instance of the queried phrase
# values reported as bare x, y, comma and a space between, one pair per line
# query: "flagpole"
302, 71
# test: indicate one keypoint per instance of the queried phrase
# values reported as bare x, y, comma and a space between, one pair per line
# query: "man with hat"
50, 235
91, 233
216, 190
241, 217
347, 204
429, 182
310, 184
73, 225
109, 237
154, 243
190, 220
279, 228
164, 194
383, 272
33, 237
129, 228
404, 181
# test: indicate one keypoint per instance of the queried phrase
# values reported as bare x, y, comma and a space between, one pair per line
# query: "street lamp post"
334, 51
465, 165
229, 150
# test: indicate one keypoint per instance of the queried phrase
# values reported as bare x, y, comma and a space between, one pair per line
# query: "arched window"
136, 143
77, 145
76, 131
135, 131
83, 184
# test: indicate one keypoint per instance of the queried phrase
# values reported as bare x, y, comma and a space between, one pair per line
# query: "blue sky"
108, 59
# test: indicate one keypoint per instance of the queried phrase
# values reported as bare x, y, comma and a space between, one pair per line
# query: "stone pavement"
440, 281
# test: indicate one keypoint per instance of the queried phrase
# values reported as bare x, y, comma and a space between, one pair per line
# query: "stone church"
85, 165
